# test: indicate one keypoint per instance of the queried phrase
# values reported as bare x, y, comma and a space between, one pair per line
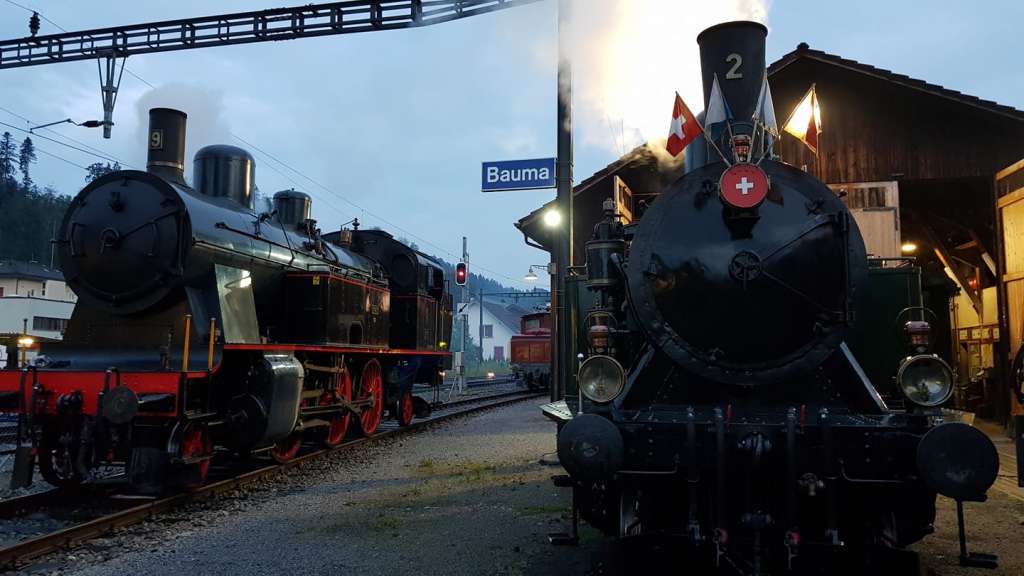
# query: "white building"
35, 300
500, 323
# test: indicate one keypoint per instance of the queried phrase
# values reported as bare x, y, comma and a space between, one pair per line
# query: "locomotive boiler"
720, 403
203, 323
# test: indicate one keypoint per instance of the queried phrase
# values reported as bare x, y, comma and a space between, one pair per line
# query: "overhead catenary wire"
62, 135
41, 15
364, 210
61, 158
82, 150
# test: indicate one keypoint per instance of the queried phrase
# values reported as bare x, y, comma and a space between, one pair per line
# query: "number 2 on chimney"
737, 61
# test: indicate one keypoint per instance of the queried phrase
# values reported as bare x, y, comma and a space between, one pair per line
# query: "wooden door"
1010, 207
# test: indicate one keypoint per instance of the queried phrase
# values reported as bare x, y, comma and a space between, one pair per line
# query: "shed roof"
28, 271
507, 314
804, 51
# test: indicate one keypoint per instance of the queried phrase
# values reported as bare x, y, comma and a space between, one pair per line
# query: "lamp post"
531, 276
25, 342
562, 220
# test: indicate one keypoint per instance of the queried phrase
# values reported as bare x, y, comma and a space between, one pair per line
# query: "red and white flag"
684, 128
805, 121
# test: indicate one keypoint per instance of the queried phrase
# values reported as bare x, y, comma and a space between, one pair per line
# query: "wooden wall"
875, 130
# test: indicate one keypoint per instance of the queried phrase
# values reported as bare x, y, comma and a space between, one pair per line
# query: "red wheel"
286, 448
404, 410
371, 387
196, 443
339, 422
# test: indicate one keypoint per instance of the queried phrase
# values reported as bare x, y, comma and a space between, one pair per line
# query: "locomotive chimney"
734, 51
166, 157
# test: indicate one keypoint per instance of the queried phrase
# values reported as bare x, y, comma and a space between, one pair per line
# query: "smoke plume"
631, 56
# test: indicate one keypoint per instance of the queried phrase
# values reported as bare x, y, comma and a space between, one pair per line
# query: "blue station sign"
518, 175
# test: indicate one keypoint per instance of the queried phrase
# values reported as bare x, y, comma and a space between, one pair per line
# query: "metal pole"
562, 328
24, 349
481, 303
465, 321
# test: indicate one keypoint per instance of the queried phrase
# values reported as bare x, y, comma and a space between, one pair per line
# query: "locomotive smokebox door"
760, 295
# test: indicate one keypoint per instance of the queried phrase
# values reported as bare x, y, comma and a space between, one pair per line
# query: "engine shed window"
531, 324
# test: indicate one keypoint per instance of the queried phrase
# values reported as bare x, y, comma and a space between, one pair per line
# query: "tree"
7, 156
26, 157
97, 169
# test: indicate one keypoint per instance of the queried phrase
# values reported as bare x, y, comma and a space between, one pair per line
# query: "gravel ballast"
466, 497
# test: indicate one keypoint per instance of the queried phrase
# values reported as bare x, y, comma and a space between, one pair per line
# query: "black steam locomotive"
203, 322
720, 403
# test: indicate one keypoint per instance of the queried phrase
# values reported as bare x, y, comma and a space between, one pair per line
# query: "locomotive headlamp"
601, 378
926, 380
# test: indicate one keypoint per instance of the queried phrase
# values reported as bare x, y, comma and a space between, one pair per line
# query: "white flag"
718, 109
764, 114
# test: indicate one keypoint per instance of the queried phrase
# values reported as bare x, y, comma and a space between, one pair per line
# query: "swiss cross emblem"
743, 186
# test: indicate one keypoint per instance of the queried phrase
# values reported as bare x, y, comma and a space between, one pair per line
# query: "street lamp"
531, 276
552, 218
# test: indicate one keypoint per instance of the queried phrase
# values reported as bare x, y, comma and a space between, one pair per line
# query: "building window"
49, 324
488, 331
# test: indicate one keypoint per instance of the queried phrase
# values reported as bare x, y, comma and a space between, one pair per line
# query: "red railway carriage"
204, 323
531, 351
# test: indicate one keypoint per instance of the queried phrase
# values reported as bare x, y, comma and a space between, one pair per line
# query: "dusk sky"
395, 124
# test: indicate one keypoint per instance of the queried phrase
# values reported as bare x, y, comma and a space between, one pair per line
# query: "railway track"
120, 513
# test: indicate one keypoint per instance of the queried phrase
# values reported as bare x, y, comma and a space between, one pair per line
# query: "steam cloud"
631, 56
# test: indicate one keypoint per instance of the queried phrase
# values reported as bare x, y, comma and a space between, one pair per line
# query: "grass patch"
427, 464
385, 524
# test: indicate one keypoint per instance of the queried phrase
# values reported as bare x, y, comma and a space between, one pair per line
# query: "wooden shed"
917, 163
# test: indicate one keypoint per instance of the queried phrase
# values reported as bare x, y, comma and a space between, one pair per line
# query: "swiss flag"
684, 128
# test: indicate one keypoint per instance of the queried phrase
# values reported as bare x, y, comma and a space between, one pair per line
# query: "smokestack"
166, 157
734, 51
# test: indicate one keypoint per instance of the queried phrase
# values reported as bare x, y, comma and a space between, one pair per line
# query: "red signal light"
461, 273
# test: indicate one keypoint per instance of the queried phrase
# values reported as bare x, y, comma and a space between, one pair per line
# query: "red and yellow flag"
805, 121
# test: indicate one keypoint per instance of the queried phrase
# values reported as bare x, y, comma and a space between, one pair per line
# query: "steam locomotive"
720, 403
203, 322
